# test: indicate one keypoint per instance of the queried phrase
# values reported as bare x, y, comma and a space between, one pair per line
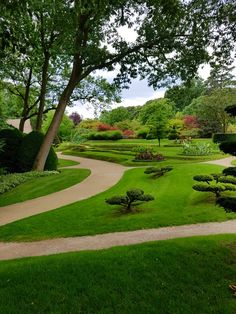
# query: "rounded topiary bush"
12, 139
228, 148
29, 149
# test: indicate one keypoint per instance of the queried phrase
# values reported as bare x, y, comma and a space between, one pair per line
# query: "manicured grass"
66, 163
234, 163
42, 186
121, 151
175, 203
179, 276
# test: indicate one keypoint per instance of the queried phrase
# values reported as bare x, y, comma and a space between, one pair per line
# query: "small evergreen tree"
132, 198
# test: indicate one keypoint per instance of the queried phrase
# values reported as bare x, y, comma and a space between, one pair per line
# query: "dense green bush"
28, 152
142, 133
132, 197
108, 135
10, 181
173, 134
230, 171
203, 178
12, 139
224, 137
217, 189
228, 203
228, 148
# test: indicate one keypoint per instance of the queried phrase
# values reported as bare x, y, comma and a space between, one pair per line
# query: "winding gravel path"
103, 176
14, 250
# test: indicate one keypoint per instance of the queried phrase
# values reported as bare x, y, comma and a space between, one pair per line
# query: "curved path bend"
103, 176
226, 162
14, 250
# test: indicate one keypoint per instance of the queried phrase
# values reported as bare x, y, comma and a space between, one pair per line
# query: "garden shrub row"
224, 137
10, 181
108, 135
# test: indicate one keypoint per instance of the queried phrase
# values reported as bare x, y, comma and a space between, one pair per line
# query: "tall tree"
155, 114
173, 38
182, 95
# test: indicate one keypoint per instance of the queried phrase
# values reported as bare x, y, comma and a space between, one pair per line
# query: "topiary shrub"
158, 172
230, 171
228, 147
217, 189
28, 152
228, 203
222, 183
203, 178
132, 197
12, 139
224, 137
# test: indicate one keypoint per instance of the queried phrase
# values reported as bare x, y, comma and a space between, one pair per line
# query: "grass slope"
42, 186
179, 276
175, 203
121, 151
66, 163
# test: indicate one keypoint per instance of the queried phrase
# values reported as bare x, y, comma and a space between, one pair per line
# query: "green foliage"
199, 149
224, 137
227, 179
142, 133
228, 203
10, 181
173, 134
65, 128
203, 178
158, 172
133, 197
89, 124
108, 135
115, 115
228, 147
217, 189
12, 139
29, 149
230, 171
182, 95
222, 183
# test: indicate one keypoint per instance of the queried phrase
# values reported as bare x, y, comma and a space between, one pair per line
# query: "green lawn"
66, 163
170, 277
121, 151
42, 186
175, 203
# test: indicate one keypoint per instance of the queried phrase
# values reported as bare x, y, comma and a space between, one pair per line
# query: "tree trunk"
41, 158
22, 124
26, 102
44, 81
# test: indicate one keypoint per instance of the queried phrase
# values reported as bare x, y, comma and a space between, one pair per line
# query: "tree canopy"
173, 39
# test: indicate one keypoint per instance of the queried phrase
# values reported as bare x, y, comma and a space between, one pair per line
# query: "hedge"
224, 137
28, 152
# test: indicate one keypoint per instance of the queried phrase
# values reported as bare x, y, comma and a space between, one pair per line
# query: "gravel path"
14, 250
226, 162
103, 176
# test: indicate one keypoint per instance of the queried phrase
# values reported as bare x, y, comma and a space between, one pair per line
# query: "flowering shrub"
105, 127
147, 153
9, 181
190, 122
128, 134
